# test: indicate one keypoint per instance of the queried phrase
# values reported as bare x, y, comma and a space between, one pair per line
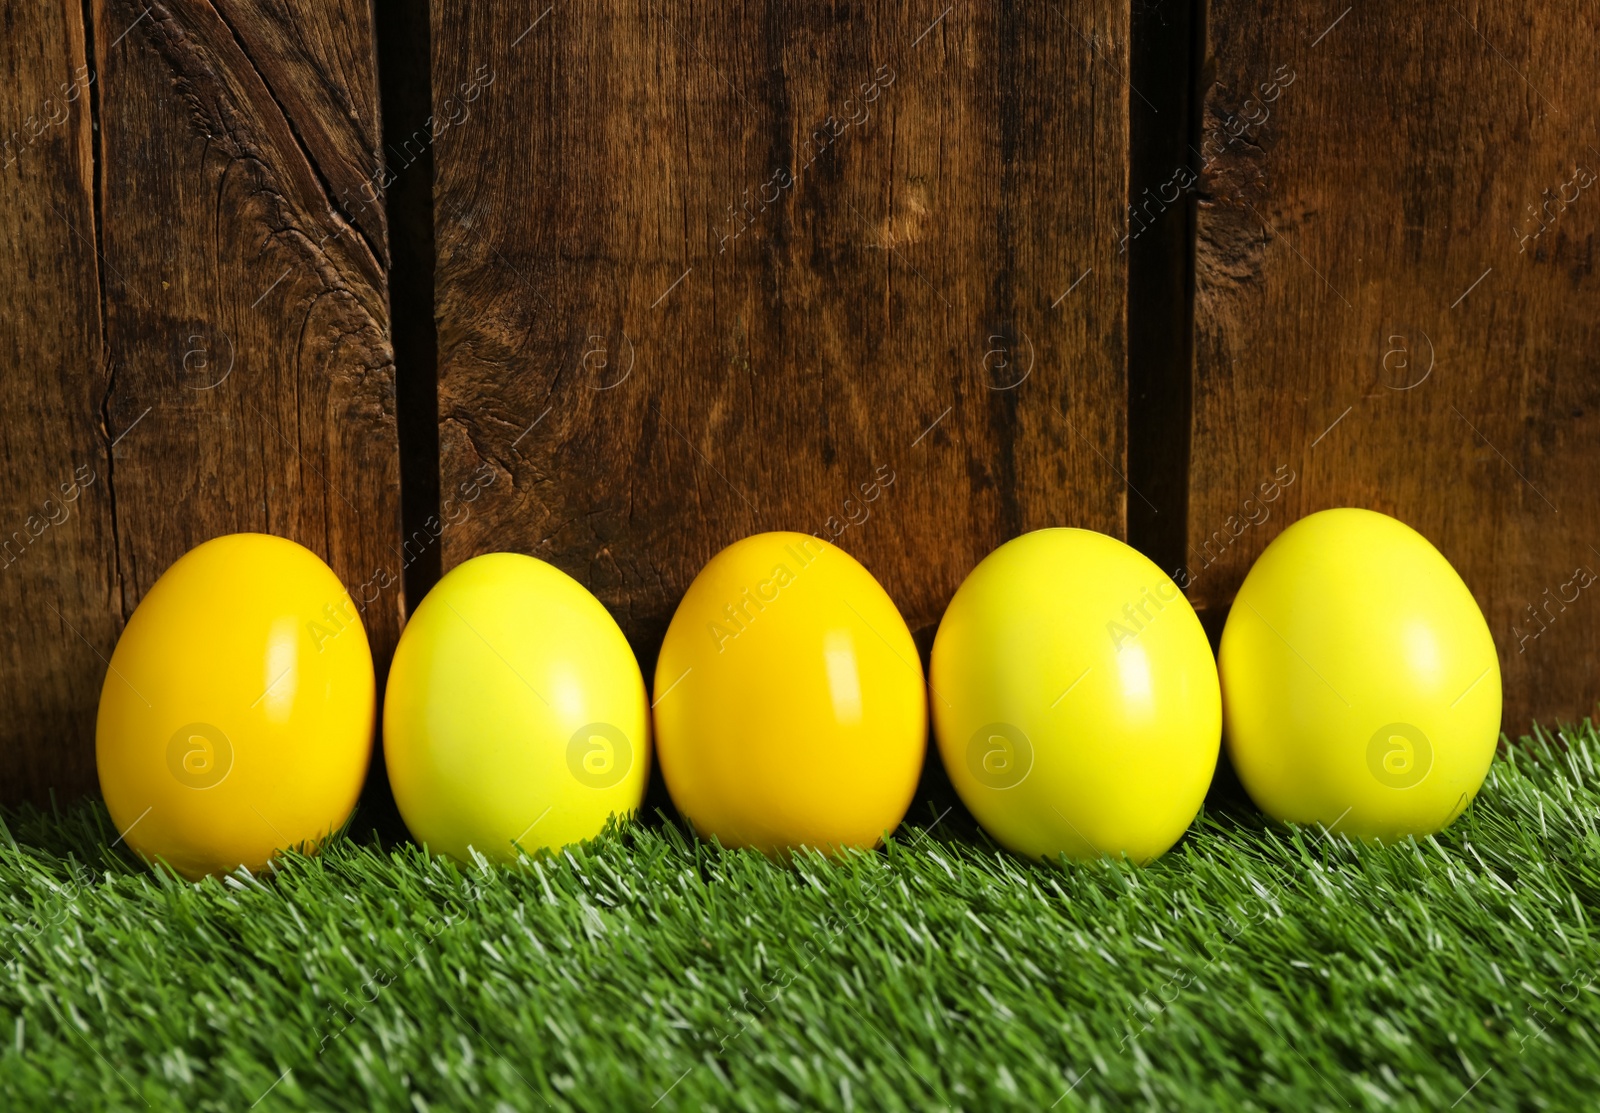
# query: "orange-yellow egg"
236, 716
789, 701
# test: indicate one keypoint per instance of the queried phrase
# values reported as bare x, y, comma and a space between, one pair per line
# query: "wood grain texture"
706, 271
247, 318
226, 366
58, 587
1380, 311
320, 64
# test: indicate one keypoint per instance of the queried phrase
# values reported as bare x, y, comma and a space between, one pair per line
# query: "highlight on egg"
515, 717
790, 707
1360, 682
1075, 698
237, 714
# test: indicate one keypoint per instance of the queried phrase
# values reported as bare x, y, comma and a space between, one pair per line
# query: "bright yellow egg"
789, 701
1359, 680
1075, 698
515, 716
236, 717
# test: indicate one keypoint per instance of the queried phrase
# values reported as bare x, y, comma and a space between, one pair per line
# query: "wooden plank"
706, 271
1386, 309
58, 585
227, 366
247, 318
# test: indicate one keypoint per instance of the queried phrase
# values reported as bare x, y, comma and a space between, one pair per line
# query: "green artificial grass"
1252, 967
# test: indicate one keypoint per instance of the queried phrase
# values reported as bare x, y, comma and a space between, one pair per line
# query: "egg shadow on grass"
936, 804
376, 819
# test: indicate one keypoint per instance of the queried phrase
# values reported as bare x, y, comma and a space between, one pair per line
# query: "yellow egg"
515, 716
789, 701
236, 717
1359, 680
1075, 698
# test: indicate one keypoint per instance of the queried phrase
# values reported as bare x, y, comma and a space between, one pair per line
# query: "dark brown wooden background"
618, 283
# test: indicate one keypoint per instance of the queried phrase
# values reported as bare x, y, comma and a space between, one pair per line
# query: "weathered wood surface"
58, 582
1396, 302
706, 271
226, 365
